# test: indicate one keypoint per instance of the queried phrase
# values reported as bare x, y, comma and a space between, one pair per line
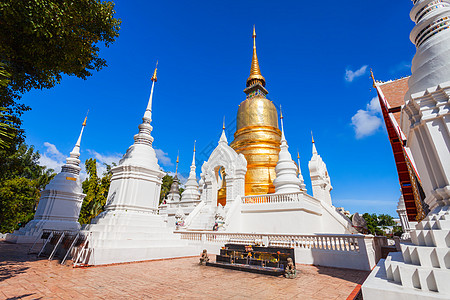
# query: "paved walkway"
22, 276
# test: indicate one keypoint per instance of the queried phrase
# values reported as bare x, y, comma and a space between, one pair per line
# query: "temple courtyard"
23, 276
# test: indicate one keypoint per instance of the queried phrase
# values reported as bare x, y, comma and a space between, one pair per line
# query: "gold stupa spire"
85, 119
255, 72
178, 160
154, 79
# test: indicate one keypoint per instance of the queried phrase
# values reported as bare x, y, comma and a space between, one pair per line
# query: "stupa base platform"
377, 286
248, 268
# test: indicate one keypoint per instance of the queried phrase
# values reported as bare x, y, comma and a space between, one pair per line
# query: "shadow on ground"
355, 276
13, 259
23, 296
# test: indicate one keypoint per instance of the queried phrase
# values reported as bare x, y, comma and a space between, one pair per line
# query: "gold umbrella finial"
85, 119
154, 79
178, 160
255, 72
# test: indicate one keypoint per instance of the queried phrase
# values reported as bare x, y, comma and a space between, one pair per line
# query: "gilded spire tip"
298, 154
223, 125
85, 119
154, 79
312, 137
281, 113
255, 72
194, 144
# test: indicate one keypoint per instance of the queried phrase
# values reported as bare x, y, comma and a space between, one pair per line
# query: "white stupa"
60, 203
422, 269
130, 228
286, 170
300, 176
320, 179
191, 195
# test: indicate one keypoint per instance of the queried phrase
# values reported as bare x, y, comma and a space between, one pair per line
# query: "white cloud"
374, 105
52, 158
103, 159
351, 75
162, 157
365, 123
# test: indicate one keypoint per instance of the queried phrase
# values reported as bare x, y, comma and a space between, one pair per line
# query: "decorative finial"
255, 72
223, 125
178, 160
312, 137
194, 144
281, 113
373, 78
85, 119
298, 154
154, 79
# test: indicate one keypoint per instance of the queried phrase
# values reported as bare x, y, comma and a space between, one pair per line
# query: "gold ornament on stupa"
257, 135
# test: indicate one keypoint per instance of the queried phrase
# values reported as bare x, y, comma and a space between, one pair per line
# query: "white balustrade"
338, 242
272, 198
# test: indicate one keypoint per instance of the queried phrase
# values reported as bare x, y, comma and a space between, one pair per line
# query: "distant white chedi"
60, 203
422, 269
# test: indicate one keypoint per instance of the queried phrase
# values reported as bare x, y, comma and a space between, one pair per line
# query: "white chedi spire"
73, 161
300, 176
431, 35
286, 170
223, 137
141, 152
191, 192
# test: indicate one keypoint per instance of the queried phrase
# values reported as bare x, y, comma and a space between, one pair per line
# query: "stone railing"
335, 242
352, 251
272, 198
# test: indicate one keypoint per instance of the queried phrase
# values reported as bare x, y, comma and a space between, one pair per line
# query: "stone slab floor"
23, 276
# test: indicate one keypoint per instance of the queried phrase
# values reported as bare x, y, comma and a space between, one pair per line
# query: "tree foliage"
21, 181
96, 190
40, 40
375, 223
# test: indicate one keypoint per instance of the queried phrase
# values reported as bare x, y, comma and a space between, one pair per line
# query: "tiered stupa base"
421, 270
125, 236
32, 232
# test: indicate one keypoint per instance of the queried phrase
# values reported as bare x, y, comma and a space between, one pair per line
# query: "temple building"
420, 137
253, 184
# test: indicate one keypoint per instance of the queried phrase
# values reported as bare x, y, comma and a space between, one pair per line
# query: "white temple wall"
281, 218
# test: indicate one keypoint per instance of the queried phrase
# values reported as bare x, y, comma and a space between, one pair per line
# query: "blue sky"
314, 55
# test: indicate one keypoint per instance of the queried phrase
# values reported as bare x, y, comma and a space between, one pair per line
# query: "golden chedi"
257, 135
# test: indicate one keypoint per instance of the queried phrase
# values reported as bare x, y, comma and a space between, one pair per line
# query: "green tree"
386, 220
96, 190
17, 202
21, 181
40, 40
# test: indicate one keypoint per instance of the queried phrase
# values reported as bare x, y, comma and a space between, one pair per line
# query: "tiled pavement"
22, 276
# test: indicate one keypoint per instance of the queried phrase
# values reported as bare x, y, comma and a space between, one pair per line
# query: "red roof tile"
394, 92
